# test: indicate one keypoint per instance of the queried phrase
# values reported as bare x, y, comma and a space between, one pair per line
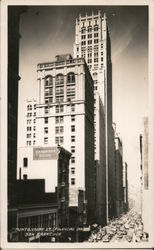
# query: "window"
95, 40
96, 28
48, 91
46, 120
83, 30
72, 149
29, 121
28, 143
59, 139
83, 43
28, 135
59, 88
73, 138
101, 53
101, 59
89, 60
25, 162
34, 113
34, 135
29, 128
83, 36
89, 35
46, 110
95, 34
29, 114
95, 59
73, 159
89, 28
29, 107
57, 130
34, 128
59, 109
71, 77
45, 140
72, 181
34, 121
73, 128
33, 142
46, 130
89, 41
72, 118
73, 107
34, 106
77, 49
59, 119
72, 170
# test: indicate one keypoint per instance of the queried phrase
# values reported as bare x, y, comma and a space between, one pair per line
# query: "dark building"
125, 187
14, 13
119, 176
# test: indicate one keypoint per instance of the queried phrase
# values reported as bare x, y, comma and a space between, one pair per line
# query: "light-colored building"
145, 178
27, 136
65, 116
92, 42
125, 186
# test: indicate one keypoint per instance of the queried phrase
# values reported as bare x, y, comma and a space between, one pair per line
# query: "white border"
3, 123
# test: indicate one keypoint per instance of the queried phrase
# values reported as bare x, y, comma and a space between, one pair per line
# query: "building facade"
92, 42
125, 186
119, 176
64, 116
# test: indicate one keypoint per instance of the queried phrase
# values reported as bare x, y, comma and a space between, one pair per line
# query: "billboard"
45, 153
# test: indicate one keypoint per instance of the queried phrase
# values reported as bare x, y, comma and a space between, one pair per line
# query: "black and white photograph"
76, 124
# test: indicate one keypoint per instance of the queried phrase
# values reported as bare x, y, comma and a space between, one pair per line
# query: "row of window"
89, 28
59, 139
89, 36
59, 79
59, 119
60, 108
89, 42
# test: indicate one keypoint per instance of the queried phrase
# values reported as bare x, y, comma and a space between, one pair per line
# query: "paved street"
128, 227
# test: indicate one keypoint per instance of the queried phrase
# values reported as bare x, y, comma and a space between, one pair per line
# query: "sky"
50, 30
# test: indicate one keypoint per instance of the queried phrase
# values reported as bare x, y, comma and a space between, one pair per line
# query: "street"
128, 227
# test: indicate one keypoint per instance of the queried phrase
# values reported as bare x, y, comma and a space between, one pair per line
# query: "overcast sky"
48, 31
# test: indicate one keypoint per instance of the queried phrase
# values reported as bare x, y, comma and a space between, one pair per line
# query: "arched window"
48, 91
70, 86
96, 27
59, 88
90, 28
48, 80
70, 77
83, 30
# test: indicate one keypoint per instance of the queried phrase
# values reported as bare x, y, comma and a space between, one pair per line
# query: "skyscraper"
65, 116
92, 41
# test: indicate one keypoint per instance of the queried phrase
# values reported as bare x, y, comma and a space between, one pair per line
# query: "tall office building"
119, 176
92, 41
65, 116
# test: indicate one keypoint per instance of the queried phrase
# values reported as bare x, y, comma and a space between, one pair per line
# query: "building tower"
92, 41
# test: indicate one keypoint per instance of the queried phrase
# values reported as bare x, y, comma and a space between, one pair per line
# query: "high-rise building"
125, 186
119, 175
14, 13
65, 116
92, 41
145, 175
